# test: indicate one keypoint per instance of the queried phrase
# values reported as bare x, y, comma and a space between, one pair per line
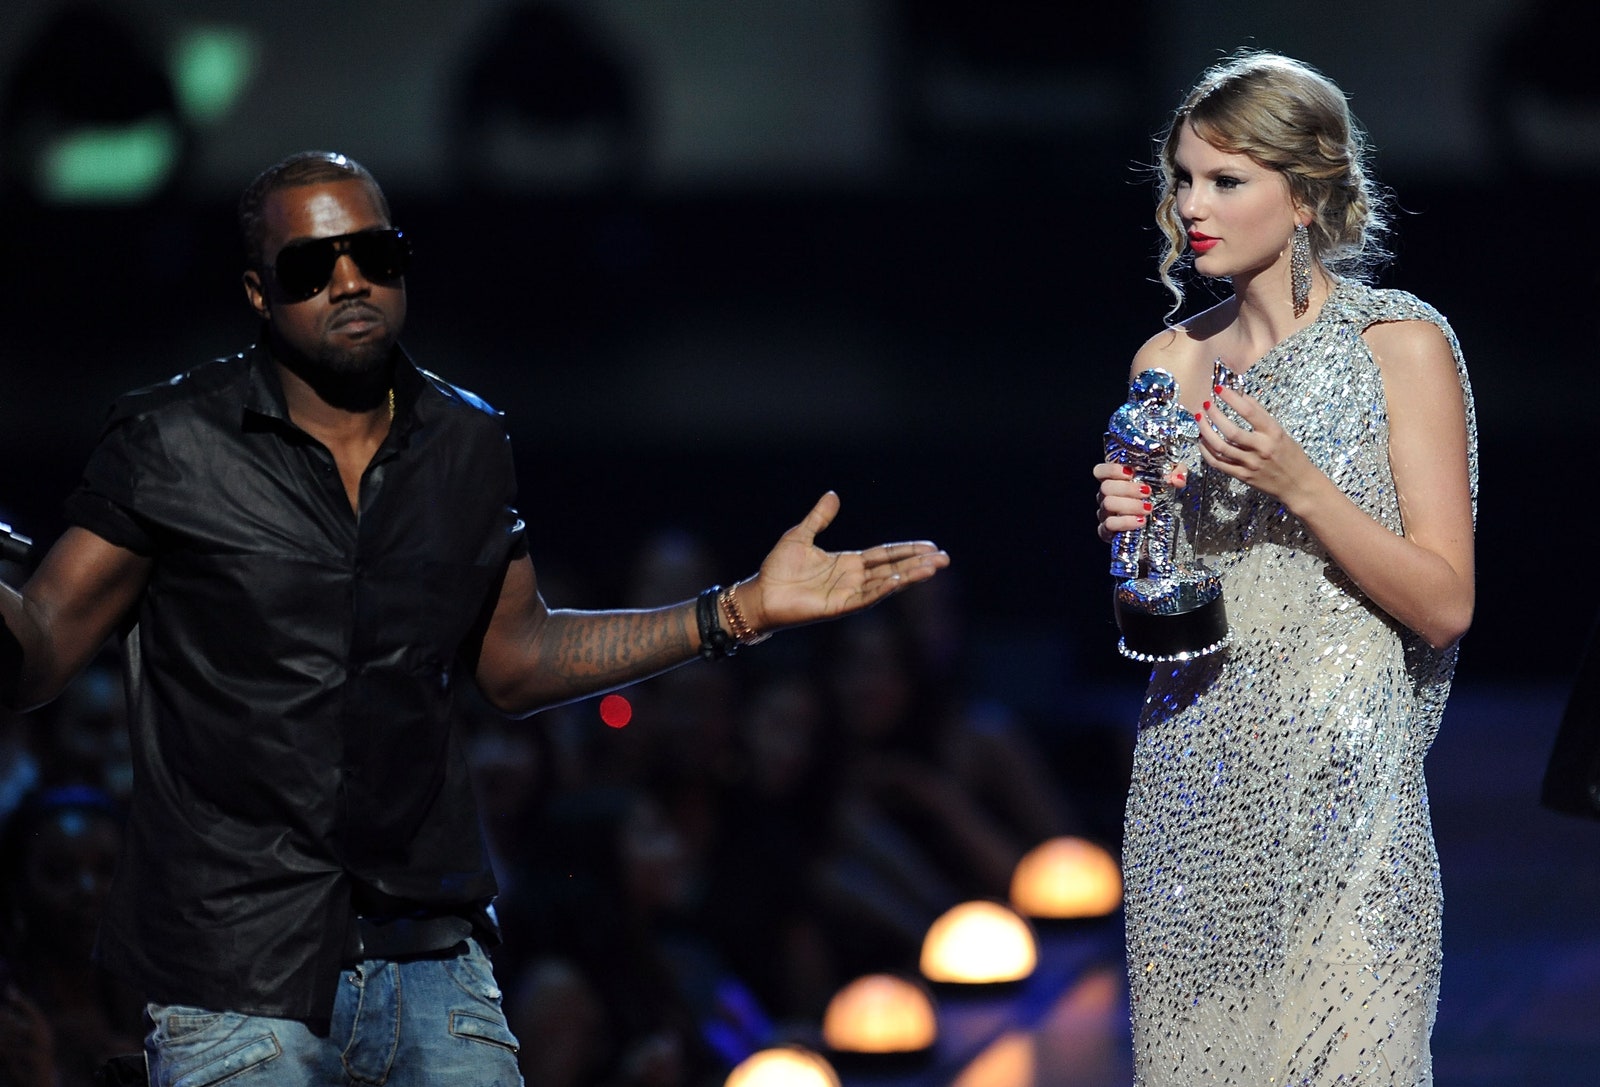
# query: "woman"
1283, 905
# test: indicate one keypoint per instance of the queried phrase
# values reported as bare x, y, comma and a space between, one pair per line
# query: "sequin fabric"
1283, 898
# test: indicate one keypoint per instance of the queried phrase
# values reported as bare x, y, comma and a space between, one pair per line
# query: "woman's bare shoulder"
1185, 349
1168, 344
1400, 340
1193, 333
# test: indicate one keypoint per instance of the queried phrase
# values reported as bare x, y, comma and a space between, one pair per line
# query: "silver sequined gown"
1283, 903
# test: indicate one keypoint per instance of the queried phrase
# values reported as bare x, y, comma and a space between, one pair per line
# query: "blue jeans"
418, 1023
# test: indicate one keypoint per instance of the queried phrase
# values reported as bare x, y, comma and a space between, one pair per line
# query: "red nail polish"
1206, 405
1198, 417
1141, 520
1126, 470
1147, 507
1144, 488
1217, 389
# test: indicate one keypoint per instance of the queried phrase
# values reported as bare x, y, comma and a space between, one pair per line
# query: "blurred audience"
762, 898
82, 737
622, 986
61, 1017
19, 769
934, 798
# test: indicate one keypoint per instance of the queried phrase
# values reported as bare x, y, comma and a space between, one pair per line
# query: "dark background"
712, 258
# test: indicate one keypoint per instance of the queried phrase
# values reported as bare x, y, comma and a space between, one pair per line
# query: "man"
308, 545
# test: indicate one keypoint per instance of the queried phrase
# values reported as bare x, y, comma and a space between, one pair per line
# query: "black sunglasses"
304, 268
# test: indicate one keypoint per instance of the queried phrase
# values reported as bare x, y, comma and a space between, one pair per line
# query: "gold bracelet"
738, 626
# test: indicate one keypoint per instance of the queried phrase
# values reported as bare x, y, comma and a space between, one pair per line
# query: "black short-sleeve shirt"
291, 676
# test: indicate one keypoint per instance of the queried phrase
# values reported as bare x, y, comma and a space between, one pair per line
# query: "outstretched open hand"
800, 583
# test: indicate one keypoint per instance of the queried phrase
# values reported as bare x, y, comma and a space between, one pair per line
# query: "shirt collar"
263, 391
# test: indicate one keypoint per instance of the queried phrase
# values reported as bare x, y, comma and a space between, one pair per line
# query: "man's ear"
255, 293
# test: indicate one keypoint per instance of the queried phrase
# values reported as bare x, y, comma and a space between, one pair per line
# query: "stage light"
211, 66
880, 1014
107, 164
93, 118
978, 943
783, 1066
616, 711
1066, 878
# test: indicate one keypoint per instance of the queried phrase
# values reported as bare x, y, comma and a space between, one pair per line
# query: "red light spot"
615, 710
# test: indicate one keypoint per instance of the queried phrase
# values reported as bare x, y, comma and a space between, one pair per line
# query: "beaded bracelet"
743, 632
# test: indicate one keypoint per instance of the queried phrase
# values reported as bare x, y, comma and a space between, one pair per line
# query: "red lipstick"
1201, 242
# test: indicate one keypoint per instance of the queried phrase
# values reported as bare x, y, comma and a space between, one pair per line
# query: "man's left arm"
532, 658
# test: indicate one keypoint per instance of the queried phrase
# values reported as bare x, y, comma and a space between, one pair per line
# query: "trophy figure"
1167, 608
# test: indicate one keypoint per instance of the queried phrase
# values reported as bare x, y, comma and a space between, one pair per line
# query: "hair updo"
1287, 117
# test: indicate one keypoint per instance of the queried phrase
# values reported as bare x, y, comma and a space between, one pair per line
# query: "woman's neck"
1264, 310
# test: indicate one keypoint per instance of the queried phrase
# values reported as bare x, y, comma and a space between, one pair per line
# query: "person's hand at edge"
800, 583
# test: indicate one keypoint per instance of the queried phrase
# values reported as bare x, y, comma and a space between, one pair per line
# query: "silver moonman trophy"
1167, 607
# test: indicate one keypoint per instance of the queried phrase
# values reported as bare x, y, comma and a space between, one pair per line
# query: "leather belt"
405, 937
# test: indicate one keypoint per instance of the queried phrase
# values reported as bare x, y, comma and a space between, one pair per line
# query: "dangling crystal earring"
1300, 269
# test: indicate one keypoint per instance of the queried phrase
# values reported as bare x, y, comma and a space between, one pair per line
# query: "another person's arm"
62, 616
532, 657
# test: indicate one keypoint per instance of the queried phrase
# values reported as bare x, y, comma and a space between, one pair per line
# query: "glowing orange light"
1067, 878
880, 1013
783, 1066
615, 710
978, 943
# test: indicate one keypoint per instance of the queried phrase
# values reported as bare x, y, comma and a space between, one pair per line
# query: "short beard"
359, 360
355, 378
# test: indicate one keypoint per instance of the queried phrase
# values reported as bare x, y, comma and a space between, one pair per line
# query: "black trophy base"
1173, 635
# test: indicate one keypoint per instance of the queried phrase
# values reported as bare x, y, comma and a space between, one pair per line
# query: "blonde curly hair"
1291, 118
